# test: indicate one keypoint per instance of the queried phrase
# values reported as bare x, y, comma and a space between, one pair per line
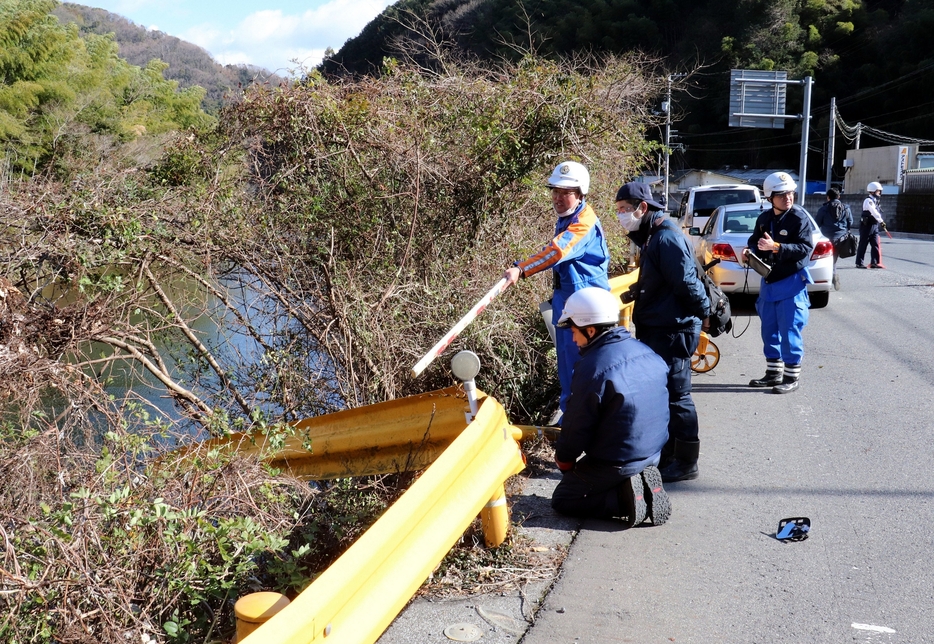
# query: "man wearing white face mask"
670, 305
577, 256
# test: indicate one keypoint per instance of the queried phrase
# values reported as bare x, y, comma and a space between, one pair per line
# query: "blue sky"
270, 34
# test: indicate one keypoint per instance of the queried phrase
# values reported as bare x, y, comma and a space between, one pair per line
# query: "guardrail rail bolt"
255, 609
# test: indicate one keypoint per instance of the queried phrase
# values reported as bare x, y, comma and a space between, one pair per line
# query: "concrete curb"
501, 618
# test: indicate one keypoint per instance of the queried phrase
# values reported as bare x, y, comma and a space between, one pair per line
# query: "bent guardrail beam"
359, 595
401, 435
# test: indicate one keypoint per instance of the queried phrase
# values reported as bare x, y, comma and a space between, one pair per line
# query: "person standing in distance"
670, 308
577, 256
834, 219
782, 239
869, 225
616, 417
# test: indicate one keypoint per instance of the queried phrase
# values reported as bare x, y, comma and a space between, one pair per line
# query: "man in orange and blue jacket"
577, 256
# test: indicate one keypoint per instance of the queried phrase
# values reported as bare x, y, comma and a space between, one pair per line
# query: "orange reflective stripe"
562, 245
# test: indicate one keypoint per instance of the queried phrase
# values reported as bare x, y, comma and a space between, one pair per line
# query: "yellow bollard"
494, 517
256, 609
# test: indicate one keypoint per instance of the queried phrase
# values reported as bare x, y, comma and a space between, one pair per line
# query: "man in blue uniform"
783, 240
616, 416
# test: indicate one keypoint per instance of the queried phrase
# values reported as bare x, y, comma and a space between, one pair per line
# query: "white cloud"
271, 38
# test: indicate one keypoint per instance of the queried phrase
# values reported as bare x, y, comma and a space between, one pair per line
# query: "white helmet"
873, 187
778, 182
570, 174
591, 306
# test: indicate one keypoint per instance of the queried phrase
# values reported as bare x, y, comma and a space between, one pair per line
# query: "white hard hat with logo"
778, 182
874, 186
590, 306
569, 175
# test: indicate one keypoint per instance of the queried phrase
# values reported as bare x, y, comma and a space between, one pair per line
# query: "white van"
701, 201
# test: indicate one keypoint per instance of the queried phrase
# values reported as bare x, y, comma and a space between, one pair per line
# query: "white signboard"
902, 165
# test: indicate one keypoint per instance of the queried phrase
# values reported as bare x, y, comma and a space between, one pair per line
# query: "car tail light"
823, 249
723, 252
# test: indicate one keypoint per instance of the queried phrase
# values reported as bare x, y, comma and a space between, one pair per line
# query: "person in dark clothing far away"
834, 219
670, 309
617, 417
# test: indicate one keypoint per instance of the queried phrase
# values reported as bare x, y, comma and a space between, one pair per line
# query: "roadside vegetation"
293, 257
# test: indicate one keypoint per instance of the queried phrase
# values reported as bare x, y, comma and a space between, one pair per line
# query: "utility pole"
805, 129
859, 130
666, 108
830, 140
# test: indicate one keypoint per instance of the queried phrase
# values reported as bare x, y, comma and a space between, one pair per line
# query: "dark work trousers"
676, 348
869, 234
590, 490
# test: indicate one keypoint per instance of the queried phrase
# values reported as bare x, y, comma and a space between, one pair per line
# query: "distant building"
886, 164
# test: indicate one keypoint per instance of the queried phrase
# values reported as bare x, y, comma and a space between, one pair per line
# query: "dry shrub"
97, 547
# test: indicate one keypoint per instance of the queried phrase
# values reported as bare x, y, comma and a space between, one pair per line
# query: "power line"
852, 132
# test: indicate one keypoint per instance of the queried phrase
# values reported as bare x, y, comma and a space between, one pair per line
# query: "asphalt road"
852, 449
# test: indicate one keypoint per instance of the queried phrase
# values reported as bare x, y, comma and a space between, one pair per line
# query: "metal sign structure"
757, 99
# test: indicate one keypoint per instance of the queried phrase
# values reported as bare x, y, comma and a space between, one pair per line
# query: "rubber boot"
773, 374
684, 465
789, 381
667, 454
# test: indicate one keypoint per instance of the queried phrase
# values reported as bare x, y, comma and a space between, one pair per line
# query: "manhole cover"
463, 633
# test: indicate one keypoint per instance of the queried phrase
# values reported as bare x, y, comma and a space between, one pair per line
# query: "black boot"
631, 497
657, 503
684, 465
667, 455
773, 374
790, 380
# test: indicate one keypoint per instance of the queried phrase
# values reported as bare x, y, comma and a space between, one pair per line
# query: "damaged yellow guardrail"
401, 435
467, 459
359, 595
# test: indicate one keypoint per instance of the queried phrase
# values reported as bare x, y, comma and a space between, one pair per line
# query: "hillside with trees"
65, 97
188, 64
873, 56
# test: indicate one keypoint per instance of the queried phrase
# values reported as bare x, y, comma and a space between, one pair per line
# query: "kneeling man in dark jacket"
617, 417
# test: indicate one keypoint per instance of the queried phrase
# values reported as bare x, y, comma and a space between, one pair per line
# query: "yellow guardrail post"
255, 609
359, 595
495, 519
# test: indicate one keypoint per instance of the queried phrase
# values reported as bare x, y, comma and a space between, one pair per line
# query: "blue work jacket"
618, 409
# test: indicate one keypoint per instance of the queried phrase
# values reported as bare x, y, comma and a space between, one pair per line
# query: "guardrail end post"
494, 517
255, 609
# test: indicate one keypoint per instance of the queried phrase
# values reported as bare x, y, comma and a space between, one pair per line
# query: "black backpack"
719, 313
839, 209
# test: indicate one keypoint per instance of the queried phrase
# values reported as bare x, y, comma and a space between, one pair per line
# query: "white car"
700, 201
724, 237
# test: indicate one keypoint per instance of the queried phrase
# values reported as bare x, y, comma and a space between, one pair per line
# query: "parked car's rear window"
709, 200
740, 221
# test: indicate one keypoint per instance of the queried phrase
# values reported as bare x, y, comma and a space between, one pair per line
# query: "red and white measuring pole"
446, 341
